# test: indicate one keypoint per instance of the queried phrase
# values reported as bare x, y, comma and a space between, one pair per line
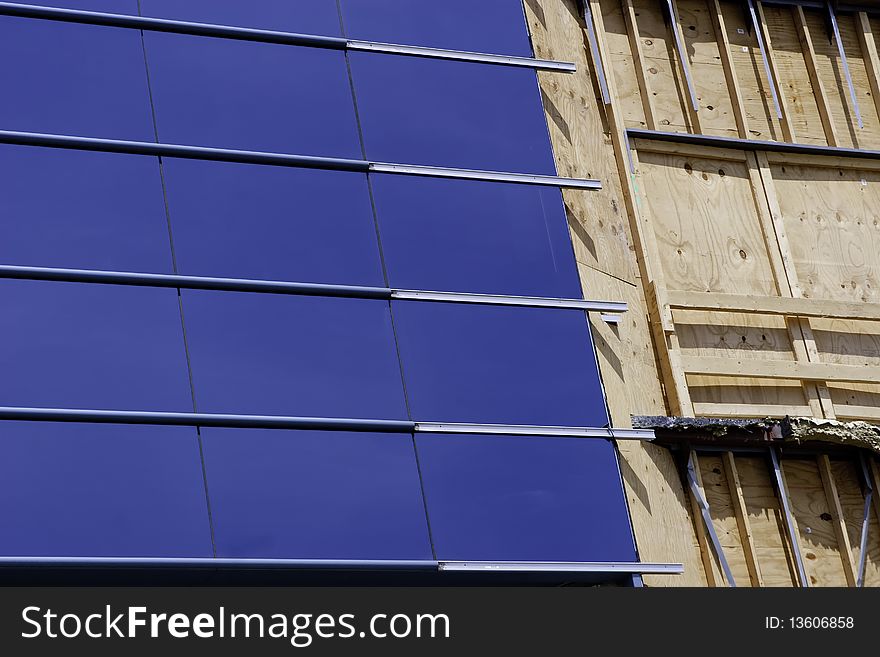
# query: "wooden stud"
809, 53
869, 54
635, 45
792, 537
785, 121
742, 518
702, 537
683, 66
736, 98
837, 518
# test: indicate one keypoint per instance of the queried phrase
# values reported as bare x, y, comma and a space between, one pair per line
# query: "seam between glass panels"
375, 212
189, 372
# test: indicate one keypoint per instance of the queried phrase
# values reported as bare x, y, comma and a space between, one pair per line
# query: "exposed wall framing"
826, 515
779, 75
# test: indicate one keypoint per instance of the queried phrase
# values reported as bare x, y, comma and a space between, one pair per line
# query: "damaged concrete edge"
754, 432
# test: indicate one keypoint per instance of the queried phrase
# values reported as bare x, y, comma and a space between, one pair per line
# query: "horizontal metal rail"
139, 279
282, 159
750, 144
237, 421
533, 430
609, 567
563, 567
272, 36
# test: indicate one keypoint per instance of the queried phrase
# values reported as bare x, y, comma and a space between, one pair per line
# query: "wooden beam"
736, 98
790, 306
778, 369
809, 52
742, 518
869, 55
635, 46
746, 409
702, 536
837, 518
785, 120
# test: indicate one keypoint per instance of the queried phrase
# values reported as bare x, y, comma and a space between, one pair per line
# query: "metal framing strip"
759, 34
840, 49
707, 520
222, 420
786, 512
682, 53
283, 159
594, 51
19, 272
533, 430
866, 521
610, 567
272, 36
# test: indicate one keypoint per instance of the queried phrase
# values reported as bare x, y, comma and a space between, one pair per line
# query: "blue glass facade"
80, 489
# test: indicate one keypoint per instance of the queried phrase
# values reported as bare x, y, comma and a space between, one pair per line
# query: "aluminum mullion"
19, 272
504, 300
272, 36
312, 423
609, 567
852, 91
461, 56
475, 174
682, 53
533, 430
697, 492
563, 567
283, 159
759, 34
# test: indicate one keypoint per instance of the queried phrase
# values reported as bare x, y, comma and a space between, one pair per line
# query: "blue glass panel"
502, 239
451, 114
514, 498
72, 345
494, 364
485, 26
301, 16
252, 96
84, 210
315, 495
73, 79
101, 490
254, 221
290, 355
128, 7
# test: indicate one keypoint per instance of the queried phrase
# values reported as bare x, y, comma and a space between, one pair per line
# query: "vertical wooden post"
736, 99
869, 54
635, 46
809, 52
833, 498
742, 518
785, 120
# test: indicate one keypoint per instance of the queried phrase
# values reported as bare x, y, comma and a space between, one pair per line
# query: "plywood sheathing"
583, 141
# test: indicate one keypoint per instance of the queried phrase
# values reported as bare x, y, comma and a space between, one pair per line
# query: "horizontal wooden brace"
779, 369
773, 305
